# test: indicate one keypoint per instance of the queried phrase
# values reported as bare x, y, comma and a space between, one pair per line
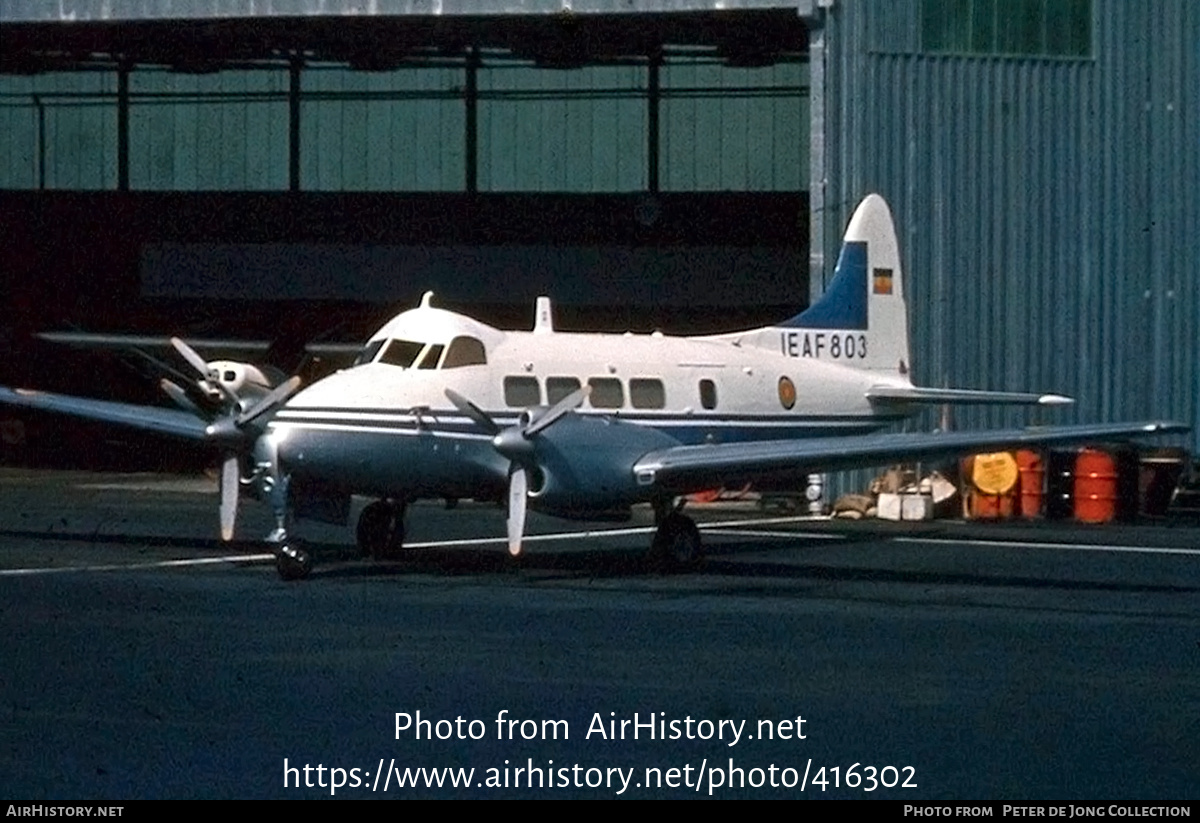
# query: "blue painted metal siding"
1047, 208
401, 130
578, 130
78, 122
226, 131
734, 129
551, 130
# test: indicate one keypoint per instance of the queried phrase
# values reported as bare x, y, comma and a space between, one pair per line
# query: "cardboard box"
889, 506
916, 507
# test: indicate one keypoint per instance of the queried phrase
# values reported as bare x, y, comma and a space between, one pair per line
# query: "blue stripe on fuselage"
688, 430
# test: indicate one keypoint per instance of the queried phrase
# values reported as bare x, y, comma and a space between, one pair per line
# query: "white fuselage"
386, 426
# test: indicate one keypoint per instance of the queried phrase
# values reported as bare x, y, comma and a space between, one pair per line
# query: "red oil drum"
1029, 464
983, 506
1095, 486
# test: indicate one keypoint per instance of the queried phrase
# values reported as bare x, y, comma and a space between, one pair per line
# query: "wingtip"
1166, 426
1055, 400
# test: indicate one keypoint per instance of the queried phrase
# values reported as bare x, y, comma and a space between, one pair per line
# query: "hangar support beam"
471, 140
123, 126
294, 67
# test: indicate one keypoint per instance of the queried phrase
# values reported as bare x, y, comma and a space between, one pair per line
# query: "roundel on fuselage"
787, 392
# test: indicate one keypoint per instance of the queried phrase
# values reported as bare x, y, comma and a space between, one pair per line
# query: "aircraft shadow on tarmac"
720, 564
723, 561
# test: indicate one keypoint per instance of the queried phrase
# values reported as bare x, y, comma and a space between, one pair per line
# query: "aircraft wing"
174, 422
684, 469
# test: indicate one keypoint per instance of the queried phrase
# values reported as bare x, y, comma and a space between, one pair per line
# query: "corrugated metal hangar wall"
1042, 159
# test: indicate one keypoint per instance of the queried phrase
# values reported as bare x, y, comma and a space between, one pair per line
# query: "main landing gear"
380, 530
676, 545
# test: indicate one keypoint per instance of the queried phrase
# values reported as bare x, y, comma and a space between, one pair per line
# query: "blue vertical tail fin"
861, 320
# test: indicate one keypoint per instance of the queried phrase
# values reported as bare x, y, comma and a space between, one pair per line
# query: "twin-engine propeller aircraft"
438, 405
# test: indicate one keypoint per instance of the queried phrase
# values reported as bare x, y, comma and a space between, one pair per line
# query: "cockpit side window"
465, 351
368, 352
432, 355
401, 353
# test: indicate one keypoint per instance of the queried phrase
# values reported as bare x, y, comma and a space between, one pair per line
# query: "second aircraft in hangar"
439, 405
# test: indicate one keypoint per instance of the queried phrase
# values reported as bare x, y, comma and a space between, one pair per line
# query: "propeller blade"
517, 489
229, 495
179, 396
161, 367
568, 404
272, 399
474, 412
192, 357
201, 367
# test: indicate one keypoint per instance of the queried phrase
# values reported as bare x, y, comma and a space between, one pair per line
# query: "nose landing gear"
292, 560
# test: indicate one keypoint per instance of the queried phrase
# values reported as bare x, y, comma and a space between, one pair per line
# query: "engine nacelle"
245, 381
584, 465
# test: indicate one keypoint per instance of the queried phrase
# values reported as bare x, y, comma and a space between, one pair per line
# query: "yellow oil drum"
991, 483
994, 473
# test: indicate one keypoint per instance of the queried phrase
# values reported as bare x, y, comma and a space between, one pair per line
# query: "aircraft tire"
380, 531
292, 561
676, 545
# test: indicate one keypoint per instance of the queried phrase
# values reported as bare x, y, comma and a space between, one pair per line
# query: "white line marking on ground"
724, 527
587, 535
432, 544
236, 559
1022, 544
731, 532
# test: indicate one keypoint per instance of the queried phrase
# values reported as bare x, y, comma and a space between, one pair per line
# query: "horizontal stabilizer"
914, 394
231, 345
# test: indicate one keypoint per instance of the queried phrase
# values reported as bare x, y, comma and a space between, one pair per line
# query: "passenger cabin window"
708, 394
465, 351
368, 352
401, 353
432, 355
646, 393
559, 387
522, 391
606, 393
